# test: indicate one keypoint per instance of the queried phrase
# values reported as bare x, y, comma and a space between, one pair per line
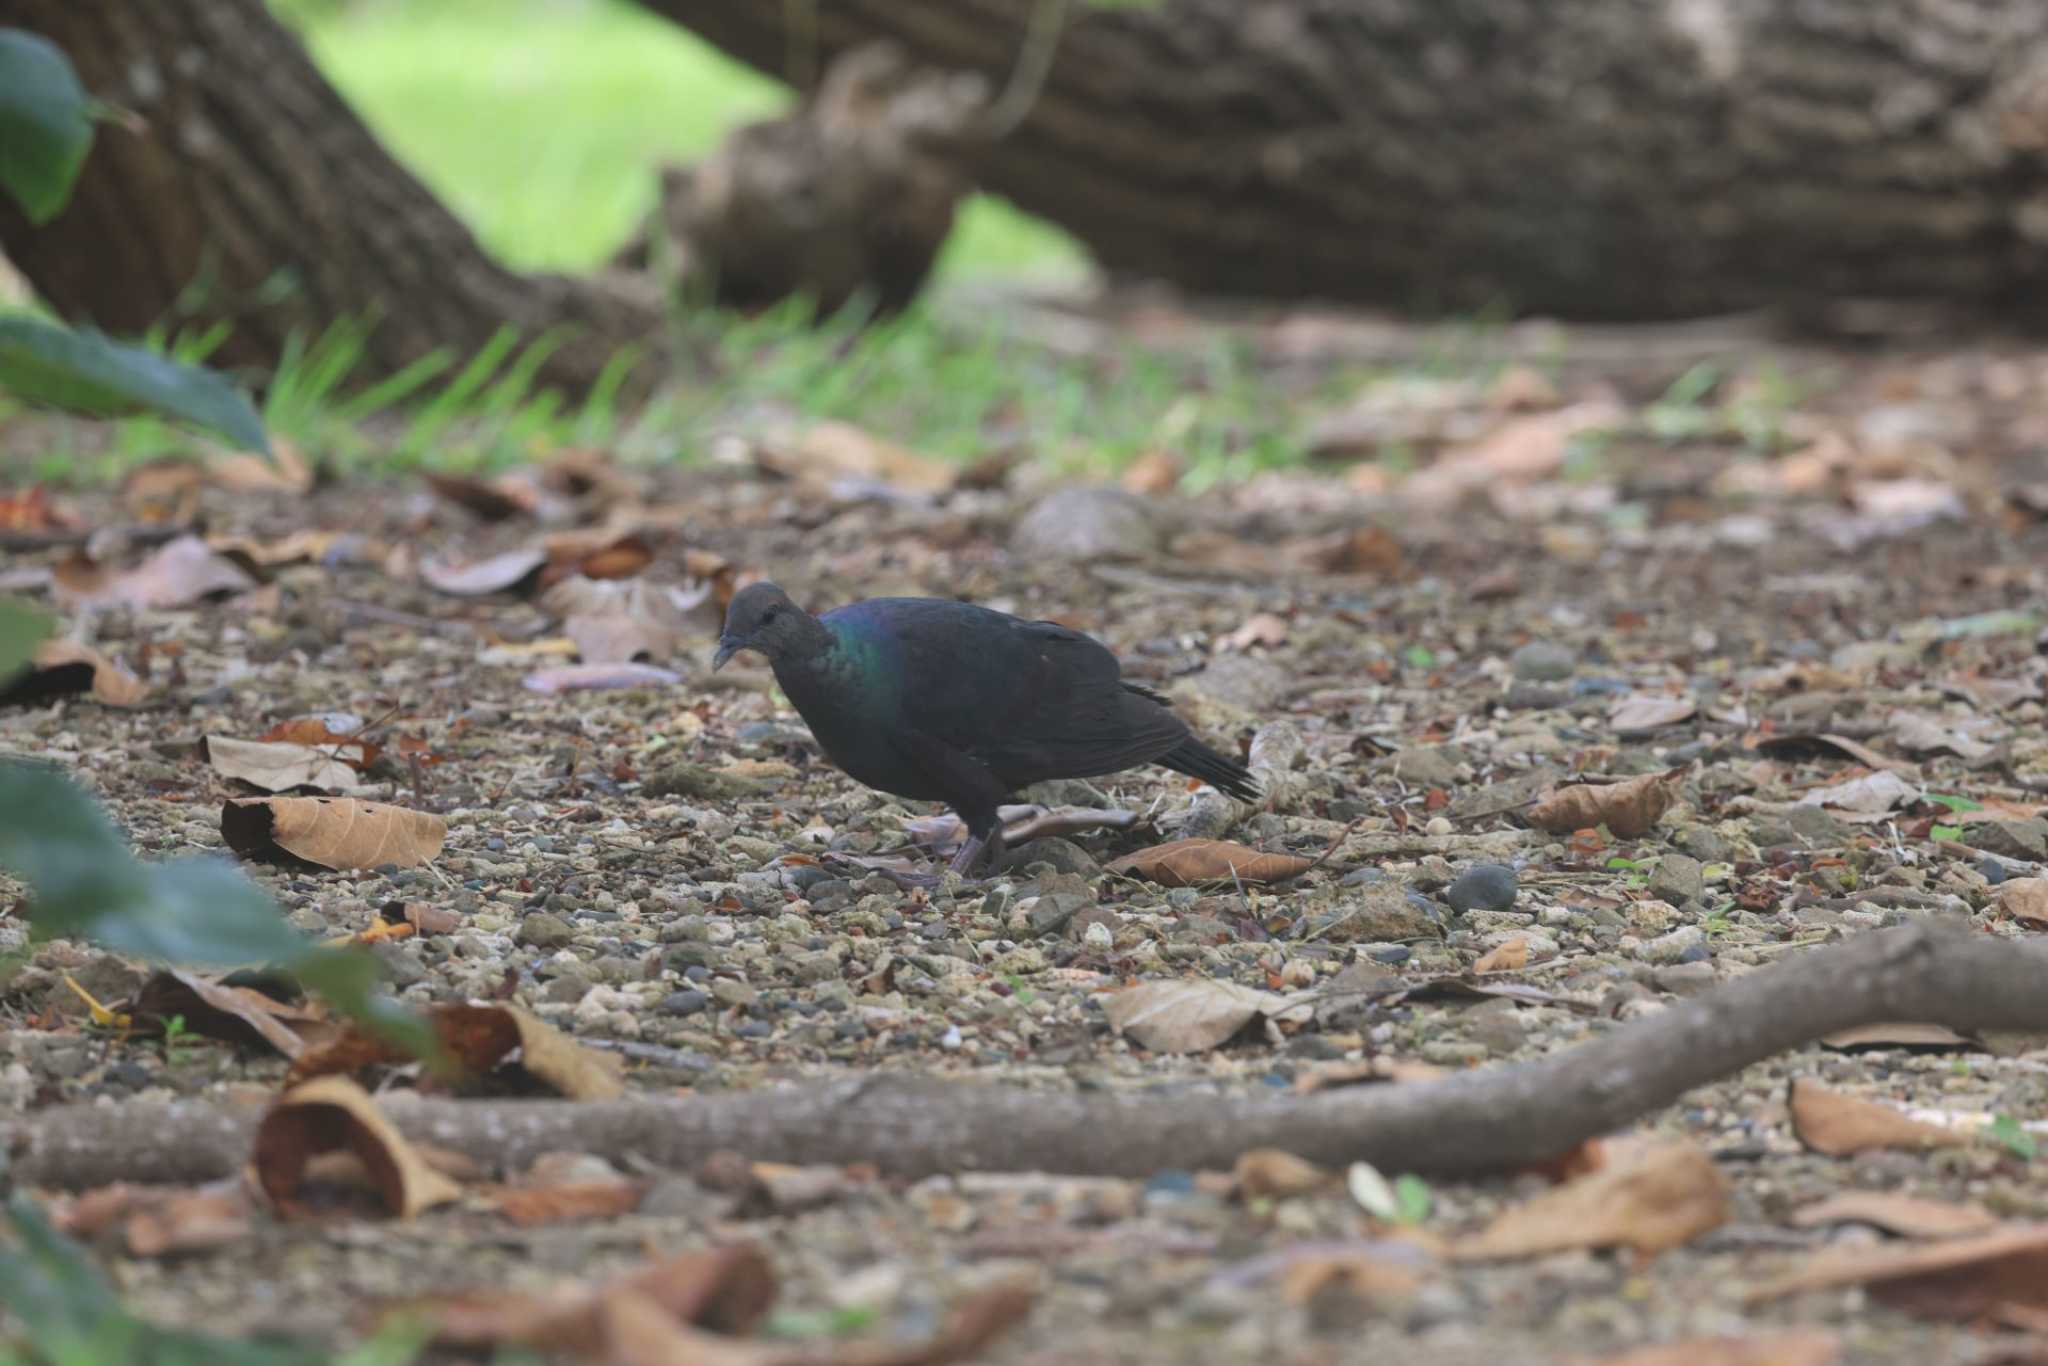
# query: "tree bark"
1597, 159
246, 190
1496, 1119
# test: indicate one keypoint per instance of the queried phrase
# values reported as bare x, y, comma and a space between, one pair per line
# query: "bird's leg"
984, 846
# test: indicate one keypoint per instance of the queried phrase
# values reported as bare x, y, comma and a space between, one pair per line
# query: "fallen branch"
1500, 1117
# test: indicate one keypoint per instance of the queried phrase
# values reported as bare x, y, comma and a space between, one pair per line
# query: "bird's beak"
727, 648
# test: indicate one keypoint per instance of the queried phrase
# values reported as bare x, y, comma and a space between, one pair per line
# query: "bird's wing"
1031, 699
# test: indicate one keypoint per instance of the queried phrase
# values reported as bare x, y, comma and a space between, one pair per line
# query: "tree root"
911, 1126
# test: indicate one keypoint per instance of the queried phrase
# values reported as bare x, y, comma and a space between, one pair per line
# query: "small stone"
1543, 661
1678, 879
698, 783
1482, 887
1703, 843
684, 1002
1375, 915
1249, 683
1051, 914
1525, 696
1064, 855
545, 930
1080, 522
730, 991
2027, 839
567, 989
1685, 978
1423, 766
1098, 937
1670, 948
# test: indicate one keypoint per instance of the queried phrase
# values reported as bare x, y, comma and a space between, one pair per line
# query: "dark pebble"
684, 1002
852, 1027
696, 972
1992, 871
805, 876
1171, 1182
933, 929
1598, 687
495, 844
753, 1029
1696, 953
1358, 877
1393, 953
132, 1075
1482, 887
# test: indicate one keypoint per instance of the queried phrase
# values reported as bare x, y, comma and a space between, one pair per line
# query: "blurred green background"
540, 122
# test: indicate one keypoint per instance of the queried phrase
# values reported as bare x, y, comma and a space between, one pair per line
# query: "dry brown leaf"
278, 767
1261, 628
1362, 550
336, 733
1906, 1215
1838, 1125
191, 1221
163, 492
1871, 794
1191, 1015
1801, 745
619, 621
1153, 472
1956, 1277
478, 1038
334, 832
1800, 1347
1897, 1034
599, 553
1186, 863
1628, 808
1270, 1173
513, 571
35, 512
490, 501
2024, 899
240, 1015
1640, 713
833, 452
1509, 957
180, 573
529, 1205
1375, 1280
1519, 450
1656, 1198
1324, 1076
300, 547
333, 1113
729, 1289
286, 471
62, 668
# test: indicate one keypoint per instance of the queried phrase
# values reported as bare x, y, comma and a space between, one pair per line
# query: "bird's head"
761, 617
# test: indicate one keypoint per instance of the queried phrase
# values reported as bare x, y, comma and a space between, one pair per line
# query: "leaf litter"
684, 940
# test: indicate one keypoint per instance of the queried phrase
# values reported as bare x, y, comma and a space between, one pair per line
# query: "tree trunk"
1585, 158
248, 191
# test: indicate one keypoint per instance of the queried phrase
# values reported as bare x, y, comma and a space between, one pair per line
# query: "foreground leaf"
1838, 1125
65, 668
45, 123
332, 1114
1658, 1198
85, 372
476, 1039
276, 766
191, 911
1185, 863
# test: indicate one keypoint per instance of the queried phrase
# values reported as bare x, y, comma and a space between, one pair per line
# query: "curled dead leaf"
1627, 808
1509, 957
1909, 1216
1656, 1198
1838, 1125
331, 1114
2024, 899
1273, 1174
1964, 1278
1186, 863
513, 571
334, 832
212, 1009
179, 573
63, 668
1641, 713
477, 1038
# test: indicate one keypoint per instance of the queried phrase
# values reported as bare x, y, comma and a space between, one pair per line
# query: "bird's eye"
770, 615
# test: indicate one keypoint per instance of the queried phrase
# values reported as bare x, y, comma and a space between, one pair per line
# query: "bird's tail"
1197, 760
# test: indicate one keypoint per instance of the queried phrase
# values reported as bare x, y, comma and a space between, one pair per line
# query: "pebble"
1678, 879
684, 1003
545, 930
1672, 947
1543, 661
1482, 887
1080, 523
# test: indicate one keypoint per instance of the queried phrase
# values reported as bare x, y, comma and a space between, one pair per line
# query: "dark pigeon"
943, 701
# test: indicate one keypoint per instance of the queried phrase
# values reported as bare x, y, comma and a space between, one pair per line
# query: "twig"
912, 1126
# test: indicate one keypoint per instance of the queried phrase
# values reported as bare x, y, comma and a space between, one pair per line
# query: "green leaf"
83, 371
22, 628
193, 910
1419, 656
45, 123
2007, 1131
1412, 1199
1951, 833
1955, 803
